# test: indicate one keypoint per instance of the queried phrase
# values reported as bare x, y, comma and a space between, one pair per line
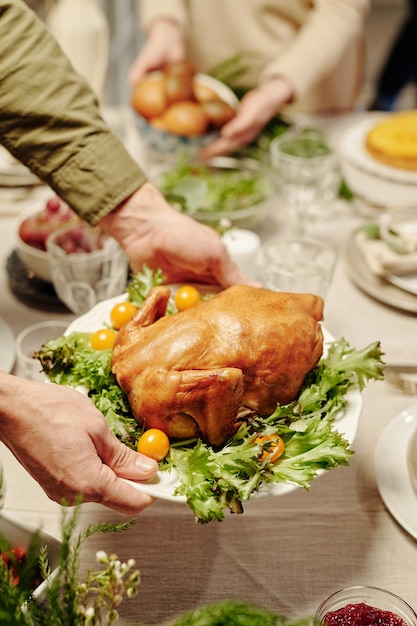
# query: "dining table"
290, 552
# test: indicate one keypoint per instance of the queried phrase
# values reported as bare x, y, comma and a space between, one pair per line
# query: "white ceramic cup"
298, 265
243, 246
29, 341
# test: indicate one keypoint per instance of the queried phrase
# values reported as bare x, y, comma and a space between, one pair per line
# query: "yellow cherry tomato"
186, 297
122, 313
103, 339
154, 443
272, 445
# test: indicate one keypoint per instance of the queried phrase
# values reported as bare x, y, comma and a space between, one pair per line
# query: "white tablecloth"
287, 553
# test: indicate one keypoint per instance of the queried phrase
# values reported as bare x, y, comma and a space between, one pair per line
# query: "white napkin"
382, 259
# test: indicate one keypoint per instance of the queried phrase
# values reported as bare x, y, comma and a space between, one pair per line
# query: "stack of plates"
375, 184
7, 352
13, 173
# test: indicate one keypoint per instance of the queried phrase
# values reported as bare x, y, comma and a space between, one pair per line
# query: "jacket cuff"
83, 180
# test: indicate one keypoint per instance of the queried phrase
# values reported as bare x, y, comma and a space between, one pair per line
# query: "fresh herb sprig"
236, 613
70, 600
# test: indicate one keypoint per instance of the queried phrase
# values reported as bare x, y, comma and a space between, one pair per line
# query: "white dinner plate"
353, 148
406, 282
7, 348
373, 285
391, 469
163, 484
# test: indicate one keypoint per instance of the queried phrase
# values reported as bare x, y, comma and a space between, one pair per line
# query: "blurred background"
125, 40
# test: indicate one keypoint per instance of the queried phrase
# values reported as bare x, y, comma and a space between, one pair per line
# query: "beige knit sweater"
317, 44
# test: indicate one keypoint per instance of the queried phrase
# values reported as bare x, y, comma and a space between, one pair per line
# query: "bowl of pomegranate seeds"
363, 605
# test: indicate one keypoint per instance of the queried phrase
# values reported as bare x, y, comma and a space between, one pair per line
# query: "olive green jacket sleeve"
49, 119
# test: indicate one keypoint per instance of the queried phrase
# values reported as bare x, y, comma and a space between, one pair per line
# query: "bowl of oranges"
179, 110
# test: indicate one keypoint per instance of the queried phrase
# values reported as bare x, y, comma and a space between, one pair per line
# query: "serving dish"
31, 290
163, 485
162, 145
392, 472
375, 183
206, 194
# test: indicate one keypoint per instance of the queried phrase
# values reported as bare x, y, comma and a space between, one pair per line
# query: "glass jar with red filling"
364, 606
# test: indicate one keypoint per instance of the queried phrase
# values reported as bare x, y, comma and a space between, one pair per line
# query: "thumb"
125, 462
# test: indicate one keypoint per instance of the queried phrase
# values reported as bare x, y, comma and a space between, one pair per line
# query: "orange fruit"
218, 112
203, 93
186, 118
149, 98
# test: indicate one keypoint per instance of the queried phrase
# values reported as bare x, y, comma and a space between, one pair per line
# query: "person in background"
49, 120
299, 55
400, 67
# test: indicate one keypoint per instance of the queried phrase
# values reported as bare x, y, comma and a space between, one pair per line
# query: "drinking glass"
82, 279
305, 174
298, 265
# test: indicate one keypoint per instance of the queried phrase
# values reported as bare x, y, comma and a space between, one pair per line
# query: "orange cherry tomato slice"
186, 297
122, 313
272, 447
103, 339
154, 443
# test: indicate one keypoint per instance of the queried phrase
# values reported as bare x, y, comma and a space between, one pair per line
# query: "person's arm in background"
164, 22
49, 119
317, 49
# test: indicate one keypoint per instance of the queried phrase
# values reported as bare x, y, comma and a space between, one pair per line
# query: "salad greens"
195, 187
216, 479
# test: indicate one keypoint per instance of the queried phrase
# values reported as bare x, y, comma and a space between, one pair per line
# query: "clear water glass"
82, 279
298, 265
305, 175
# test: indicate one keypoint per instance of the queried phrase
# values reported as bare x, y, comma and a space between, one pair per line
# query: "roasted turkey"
191, 373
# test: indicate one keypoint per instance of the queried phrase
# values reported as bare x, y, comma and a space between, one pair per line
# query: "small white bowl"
162, 145
36, 261
19, 534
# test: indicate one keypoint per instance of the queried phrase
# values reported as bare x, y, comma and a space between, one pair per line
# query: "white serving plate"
374, 182
163, 484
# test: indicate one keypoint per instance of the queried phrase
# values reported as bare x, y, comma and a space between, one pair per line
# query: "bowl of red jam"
364, 606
